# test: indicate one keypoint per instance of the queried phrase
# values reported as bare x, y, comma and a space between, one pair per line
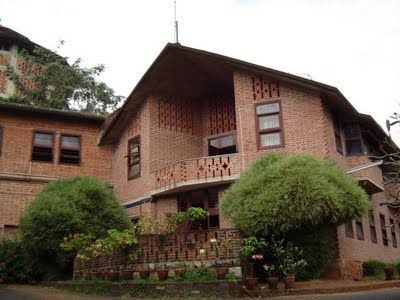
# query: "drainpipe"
363, 167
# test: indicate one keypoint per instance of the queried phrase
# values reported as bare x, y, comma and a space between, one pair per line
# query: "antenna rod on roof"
176, 24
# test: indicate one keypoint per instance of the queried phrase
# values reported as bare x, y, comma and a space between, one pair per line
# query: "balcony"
198, 172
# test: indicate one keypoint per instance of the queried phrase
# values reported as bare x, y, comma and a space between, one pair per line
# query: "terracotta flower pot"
1, 280
222, 272
111, 275
273, 282
179, 272
126, 274
251, 282
144, 274
87, 275
389, 273
162, 274
289, 282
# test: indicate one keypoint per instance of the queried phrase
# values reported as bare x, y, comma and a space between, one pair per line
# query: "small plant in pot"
196, 216
289, 259
221, 269
111, 274
179, 270
127, 273
389, 270
272, 280
144, 272
162, 273
250, 253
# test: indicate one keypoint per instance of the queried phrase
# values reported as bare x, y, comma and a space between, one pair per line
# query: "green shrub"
373, 268
318, 246
63, 208
15, 266
199, 274
278, 194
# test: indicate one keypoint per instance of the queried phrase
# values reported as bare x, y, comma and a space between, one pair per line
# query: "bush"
373, 268
63, 208
15, 266
278, 194
318, 246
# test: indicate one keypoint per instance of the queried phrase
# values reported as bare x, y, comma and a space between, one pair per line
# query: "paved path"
386, 294
28, 292
24, 292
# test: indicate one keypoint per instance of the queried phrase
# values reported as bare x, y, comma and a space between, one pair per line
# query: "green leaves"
278, 194
47, 80
77, 205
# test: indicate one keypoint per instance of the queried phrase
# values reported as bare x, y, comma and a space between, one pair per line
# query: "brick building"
190, 126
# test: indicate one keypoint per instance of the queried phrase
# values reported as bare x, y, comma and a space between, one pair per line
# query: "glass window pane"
43, 140
70, 142
267, 122
353, 147
352, 130
270, 139
267, 108
134, 170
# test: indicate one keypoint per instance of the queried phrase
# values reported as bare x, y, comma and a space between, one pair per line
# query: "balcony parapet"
197, 171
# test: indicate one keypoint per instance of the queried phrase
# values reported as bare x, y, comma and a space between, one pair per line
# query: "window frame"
359, 229
393, 232
359, 138
52, 147
129, 165
1, 139
269, 130
385, 241
337, 133
80, 149
349, 225
372, 227
219, 136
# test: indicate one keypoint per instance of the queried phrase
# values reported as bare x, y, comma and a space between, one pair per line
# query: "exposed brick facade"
174, 131
21, 178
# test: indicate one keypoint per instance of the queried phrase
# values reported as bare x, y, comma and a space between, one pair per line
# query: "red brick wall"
15, 159
302, 117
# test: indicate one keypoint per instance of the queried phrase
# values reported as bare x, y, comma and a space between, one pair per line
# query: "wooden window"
70, 149
1, 138
384, 231
353, 139
222, 145
43, 146
338, 136
5, 46
349, 229
393, 231
359, 229
372, 227
269, 125
134, 158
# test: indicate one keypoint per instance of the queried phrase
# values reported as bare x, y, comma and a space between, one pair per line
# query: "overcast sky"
353, 45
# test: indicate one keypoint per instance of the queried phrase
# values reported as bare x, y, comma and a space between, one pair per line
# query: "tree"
66, 207
299, 198
280, 194
49, 81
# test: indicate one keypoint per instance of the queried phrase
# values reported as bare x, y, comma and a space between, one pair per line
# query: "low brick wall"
193, 248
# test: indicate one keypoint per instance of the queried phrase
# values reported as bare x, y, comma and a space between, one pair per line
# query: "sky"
353, 45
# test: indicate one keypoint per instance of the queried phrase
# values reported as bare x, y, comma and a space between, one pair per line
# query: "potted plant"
196, 216
127, 273
289, 260
179, 270
250, 253
389, 271
272, 280
162, 273
221, 270
111, 274
144, 272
